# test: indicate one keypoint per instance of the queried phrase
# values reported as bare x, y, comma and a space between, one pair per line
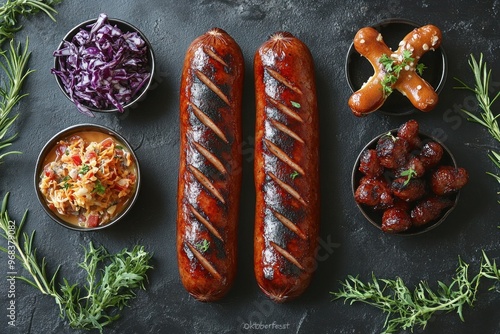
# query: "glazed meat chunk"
429, 210
409, 131
431, 154
374, 192
448, 179
369, 164
408, 191
392, 151
395, 220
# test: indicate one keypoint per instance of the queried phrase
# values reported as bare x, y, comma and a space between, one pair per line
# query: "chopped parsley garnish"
66, 185
420, 68
203, 246
393, 68
99, 188
84, 169
295, 104
294, 175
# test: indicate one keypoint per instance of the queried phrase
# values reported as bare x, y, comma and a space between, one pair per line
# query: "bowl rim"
65, 133
130, 27
426, 228
411, 109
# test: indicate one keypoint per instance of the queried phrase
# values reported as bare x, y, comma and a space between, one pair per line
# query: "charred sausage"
286, 167
210, 165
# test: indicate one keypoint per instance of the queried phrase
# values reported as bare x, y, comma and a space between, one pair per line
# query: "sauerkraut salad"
89, 181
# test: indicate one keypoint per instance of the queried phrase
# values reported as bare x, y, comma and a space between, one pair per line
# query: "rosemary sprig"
111, 279
14, 64
486, 118
405, 308
11, 9
13, 61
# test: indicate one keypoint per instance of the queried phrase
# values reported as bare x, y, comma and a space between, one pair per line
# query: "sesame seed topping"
362, 41
379, 38
419, 87
425, 47
434, 40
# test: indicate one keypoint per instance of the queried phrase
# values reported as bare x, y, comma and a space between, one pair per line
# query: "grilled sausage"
210, 165
286, 167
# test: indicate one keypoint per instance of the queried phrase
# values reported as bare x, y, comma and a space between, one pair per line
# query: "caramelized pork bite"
392, 151
395, 220
428, 210
369, 164
431, 154
446, 180
409, 131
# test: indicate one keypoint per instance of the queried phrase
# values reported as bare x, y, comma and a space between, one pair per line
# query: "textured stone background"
352, 245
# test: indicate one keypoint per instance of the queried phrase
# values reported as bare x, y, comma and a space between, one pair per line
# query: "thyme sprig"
486, 118
406, 309
111, 278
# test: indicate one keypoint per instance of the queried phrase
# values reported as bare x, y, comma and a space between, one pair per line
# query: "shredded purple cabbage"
102, 67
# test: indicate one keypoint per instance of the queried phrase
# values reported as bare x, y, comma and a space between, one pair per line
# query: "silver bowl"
124, 27
68, 132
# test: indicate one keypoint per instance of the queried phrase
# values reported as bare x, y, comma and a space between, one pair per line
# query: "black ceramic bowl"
68, 132
375, 216
124, 27
358, 69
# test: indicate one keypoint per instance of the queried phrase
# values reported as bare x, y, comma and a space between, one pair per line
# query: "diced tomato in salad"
76, 159
93, 221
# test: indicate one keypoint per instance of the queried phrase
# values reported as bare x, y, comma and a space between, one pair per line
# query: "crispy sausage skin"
286, 167
209, 181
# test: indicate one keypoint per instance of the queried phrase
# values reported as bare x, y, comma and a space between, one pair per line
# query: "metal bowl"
124, 27
375, 216
68, 132
358, 69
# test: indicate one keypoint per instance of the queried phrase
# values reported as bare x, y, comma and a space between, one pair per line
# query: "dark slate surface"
350, 244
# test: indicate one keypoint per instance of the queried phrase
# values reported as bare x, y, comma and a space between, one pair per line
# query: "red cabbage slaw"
102, 68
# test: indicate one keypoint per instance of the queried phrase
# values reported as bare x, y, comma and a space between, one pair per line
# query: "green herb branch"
406, 309
11, 9
486, 118
13, 62
111, 279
